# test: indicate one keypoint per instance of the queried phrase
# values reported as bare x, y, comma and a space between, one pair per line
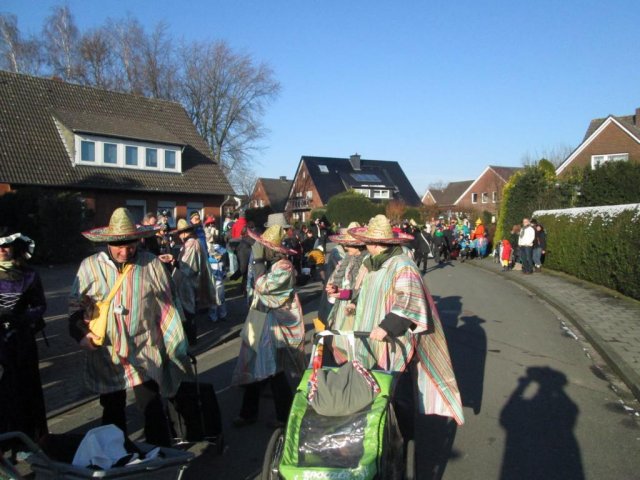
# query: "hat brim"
346, 240
185, 229
102, 234
270, 245
360, 233
267, 225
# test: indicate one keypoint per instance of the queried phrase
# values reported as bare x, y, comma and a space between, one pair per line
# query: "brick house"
444, 199
115, 149
606, 140
485, 192
271, 192
471, 196
317, 179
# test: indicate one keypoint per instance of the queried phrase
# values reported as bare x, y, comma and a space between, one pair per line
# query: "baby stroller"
321, 441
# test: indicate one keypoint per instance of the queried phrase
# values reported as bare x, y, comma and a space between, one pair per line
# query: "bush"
349, 207
53, 220
598, 244
530, 189
613, 183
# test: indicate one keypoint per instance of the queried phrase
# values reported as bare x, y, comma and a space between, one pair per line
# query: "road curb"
610, 356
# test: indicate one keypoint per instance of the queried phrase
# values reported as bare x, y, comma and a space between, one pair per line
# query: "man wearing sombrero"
273, 334
192, 277
394, 302
142, 345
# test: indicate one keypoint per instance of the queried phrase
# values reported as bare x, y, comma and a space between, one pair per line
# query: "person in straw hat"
393, 302
192, 277
143, 347
22, 306
273, 334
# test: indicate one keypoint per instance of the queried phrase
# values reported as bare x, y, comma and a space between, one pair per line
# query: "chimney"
355, 161
284, 178
636, 119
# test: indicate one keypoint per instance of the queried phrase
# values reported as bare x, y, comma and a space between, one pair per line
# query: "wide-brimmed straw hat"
182, 226
272, 239
344, 238
379, 230
276, 219
122, 227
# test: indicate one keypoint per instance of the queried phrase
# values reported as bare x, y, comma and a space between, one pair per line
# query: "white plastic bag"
101, 447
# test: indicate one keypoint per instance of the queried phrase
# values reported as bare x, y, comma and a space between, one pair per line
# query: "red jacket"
238, 225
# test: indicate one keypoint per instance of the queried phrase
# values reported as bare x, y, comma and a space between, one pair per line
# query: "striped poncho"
281, 345
397, 287
143, 342
193, 277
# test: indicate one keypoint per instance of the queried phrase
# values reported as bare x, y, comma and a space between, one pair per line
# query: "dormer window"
88, 151
152, 158
131, 156
111, 152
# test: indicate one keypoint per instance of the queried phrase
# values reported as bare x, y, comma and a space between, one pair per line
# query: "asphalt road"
537, 403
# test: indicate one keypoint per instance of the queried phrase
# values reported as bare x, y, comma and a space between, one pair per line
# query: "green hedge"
351, 207
598, 244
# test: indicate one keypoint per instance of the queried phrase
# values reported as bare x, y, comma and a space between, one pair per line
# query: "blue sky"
443, 87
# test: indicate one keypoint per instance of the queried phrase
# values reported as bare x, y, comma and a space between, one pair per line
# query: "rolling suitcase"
195, 413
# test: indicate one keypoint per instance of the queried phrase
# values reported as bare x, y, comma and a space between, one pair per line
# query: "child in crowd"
505, 254
315, 261
218, 261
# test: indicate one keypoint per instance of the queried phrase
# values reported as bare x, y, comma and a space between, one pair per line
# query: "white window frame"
611, 157
485, 197
309, 195
121, 144
383, 194
323, 169
474, 198
494, 197
364, 191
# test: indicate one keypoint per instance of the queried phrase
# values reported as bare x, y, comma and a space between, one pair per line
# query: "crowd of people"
133, 306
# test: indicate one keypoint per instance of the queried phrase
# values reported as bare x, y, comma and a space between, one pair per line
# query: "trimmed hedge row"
598, 244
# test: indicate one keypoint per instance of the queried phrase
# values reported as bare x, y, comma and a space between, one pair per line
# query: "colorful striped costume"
281, 346
193, 277
397, 287
143, 342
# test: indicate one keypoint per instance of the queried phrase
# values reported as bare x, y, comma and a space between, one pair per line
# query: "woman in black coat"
22, 306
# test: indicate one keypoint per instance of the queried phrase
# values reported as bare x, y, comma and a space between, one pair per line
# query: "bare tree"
98, 60
128, 45
17, 54
61, 42
438, 185
556, 155
226, 94
160, 69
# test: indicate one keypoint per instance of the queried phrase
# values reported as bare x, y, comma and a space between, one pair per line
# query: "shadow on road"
467, 342
539, 419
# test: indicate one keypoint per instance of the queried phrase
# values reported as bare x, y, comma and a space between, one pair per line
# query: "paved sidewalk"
609, 320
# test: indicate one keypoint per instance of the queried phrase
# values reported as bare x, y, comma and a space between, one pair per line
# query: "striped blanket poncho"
397, 287
144, 339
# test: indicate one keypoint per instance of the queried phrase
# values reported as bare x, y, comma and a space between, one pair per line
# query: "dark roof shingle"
32, 151
332, 176
277, 189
